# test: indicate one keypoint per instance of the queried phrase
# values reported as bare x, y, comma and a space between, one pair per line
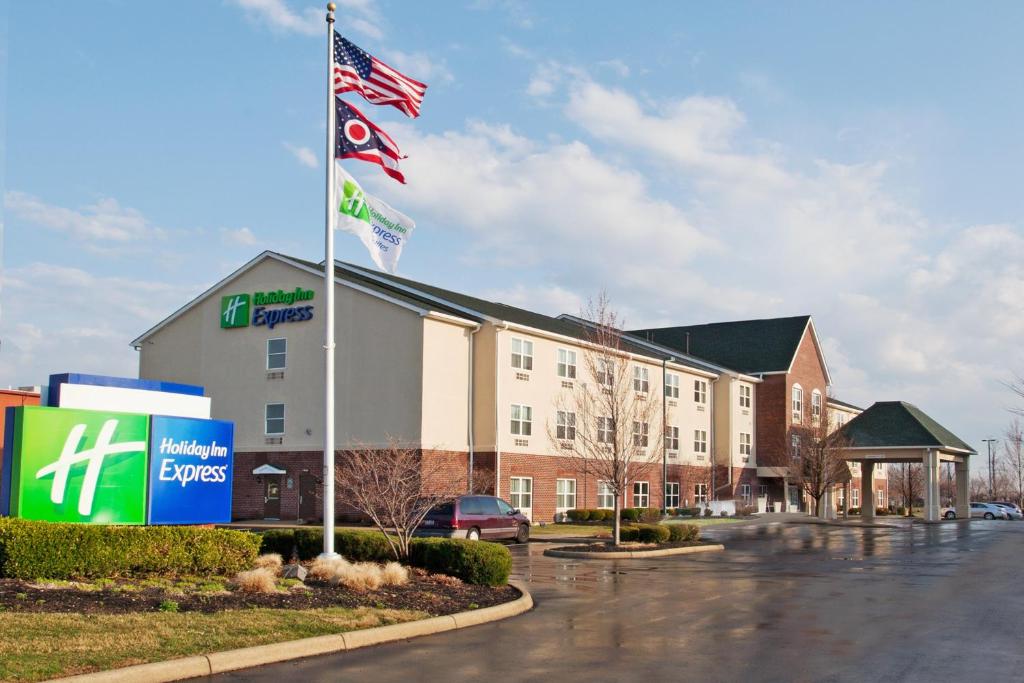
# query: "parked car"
476, 517
1012, 510
988, 511
949, 512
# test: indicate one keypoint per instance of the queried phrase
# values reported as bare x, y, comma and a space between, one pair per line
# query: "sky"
859, 162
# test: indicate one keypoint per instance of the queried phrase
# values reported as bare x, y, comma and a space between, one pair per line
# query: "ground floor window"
605, 497
881, 498
745, 493
672, 494
565, 494
855, 498
700, 494
641, 494
762, 490
520, 492
841, 497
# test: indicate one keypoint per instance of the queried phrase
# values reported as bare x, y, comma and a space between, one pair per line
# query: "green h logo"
234, 310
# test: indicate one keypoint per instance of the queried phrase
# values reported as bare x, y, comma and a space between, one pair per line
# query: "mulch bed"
627, 547
428, 593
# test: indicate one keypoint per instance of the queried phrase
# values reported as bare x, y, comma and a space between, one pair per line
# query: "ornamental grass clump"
256, 581
272, 562
395, 574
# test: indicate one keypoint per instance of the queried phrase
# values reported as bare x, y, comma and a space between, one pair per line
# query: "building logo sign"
67, 465
267, 308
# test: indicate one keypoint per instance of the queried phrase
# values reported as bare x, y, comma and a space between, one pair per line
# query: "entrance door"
272, 496
307, 497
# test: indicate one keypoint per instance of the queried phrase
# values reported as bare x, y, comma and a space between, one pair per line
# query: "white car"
1012, 511
988, 511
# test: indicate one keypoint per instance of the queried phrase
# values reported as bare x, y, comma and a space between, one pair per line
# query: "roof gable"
896, 424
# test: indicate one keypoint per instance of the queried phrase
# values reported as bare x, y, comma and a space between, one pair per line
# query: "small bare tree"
396, 487
1013, 458
609, 425
816, 459
907, 480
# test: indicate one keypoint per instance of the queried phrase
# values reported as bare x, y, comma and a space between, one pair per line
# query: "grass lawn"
36, 646
596, 529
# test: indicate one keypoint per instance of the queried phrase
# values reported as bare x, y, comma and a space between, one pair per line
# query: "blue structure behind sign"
191, 465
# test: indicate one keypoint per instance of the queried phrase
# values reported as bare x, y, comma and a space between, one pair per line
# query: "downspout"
664, 437
470, 427
497, 409
711, 440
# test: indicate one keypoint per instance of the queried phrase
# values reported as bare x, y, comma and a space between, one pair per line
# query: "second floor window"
700, 391
641, 381
672, 438
745, 442
605, 430
798, 404
565, 425
522, 354
274, 418
522, 420
745, 396
700, 441
605, 372
277, 352
796, 446
671, 386
566, 363
815, 406
640, 433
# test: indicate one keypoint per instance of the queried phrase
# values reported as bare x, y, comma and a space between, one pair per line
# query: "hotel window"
565, 425
641, 494
841, 497
520, 492
566, 363
672, 494
671, 386
744, 396
565, 494
700, 391
745, 493
881, 498
672, 438
605, 372
798, 404
855, 497
745, 442
522, 420
605, 497
795, 441
640, 433
605, 430
815, 406
700, 441
277, 351
700, 494
762, 489
641, 382
522, 354
274, 415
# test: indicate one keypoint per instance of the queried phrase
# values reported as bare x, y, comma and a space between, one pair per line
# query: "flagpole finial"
331, 7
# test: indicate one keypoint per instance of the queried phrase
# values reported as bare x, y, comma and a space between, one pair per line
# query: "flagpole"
329, 301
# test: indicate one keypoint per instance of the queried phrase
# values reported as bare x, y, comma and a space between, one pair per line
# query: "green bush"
630, 514
358, 546
708, 512
578, 515
854, 511
629, 534
683, 533
44, 550
280, 541
486, 564
650, 515
653, 533
901, 511
602, 515
881, 511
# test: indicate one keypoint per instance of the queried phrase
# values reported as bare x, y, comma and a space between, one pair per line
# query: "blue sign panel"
191, 465
53, 397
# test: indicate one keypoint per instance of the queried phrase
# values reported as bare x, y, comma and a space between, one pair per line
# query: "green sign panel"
79, 466
234, 310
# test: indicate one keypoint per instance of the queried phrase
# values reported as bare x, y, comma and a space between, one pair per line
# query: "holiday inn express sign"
67, 465
265, 308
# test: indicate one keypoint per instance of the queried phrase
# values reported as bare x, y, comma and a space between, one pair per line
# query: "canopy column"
867, 491
963, 488
931, 485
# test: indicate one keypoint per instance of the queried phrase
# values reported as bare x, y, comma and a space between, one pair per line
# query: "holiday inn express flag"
382, 229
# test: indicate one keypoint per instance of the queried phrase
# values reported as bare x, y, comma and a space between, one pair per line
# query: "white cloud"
616, 66
242, 237
105, 221
418, 66
359, 15
304, 155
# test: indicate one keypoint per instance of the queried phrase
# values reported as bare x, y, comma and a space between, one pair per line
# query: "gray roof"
896, 424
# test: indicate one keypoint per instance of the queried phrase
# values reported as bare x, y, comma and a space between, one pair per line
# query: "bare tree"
816, 459
907, 480
609, 425
396, 487
1013, 459
1016, 385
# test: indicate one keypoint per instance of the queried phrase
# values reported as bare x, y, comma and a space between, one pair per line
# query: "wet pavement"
788, 602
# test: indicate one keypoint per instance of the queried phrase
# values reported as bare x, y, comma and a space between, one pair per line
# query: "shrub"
256, 581
744, 510
34, 550
723, 513
578, 515
629, 514
708, 512
881, 511
854, 511
629, 534
901, 511
272, 562
602, 515
168, 606
357, 546
653, 533
650, 515
487, 564
280, 541
683, 533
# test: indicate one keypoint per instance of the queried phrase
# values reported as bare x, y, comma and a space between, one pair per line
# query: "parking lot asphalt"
788, 602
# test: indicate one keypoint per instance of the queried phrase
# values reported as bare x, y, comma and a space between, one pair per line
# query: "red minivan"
476, 517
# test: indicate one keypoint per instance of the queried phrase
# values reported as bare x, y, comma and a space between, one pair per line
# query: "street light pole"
991, 469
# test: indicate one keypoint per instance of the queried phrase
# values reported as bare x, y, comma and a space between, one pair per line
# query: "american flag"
358, 138
358, 71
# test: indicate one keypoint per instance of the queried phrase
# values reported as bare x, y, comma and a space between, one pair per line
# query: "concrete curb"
636, 554
244, 658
